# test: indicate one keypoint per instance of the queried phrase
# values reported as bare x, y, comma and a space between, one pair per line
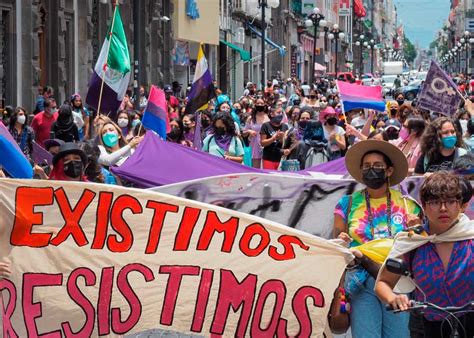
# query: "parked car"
411, 91
369, 80
341, 76
388, 84
421, 76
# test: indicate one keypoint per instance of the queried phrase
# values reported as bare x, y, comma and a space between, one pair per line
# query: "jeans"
369, 319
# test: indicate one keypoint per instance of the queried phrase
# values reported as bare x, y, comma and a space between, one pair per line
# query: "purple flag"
41, 155
197, 131
439, 92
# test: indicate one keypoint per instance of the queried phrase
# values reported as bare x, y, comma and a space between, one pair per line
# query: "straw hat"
355, 154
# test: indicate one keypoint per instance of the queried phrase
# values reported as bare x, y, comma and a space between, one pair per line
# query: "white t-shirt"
339, 132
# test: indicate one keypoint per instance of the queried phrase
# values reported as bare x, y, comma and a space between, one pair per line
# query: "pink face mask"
404, 134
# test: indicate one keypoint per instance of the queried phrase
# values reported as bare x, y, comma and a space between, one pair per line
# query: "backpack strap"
425, 163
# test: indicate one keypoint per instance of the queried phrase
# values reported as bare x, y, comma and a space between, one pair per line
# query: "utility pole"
263, 5
136, 52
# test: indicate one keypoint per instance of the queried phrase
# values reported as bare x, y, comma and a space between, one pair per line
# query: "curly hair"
431, 139
440, 186
228, 122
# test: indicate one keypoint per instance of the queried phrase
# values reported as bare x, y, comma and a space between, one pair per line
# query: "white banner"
92, 260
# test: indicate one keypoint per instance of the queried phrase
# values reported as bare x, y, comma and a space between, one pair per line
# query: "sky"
422, 18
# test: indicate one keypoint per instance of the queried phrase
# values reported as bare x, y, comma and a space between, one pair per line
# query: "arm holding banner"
5, 270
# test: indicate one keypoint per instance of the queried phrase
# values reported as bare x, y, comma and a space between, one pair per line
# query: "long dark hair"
14, 118
416, 125
431, 139
228, 122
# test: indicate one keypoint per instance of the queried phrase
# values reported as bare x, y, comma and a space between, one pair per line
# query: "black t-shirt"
272, 152
439, 163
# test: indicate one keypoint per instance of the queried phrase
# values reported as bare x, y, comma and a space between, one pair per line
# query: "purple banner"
41, 155
439, 92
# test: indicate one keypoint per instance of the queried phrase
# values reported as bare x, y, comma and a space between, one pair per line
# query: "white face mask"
21, 119
463, 126
122, 123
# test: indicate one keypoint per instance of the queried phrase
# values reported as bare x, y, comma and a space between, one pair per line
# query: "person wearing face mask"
189, 126
81, 116
295, 134
409, 139
224, 142
311, 100
21, 132
43, 121
6, 116
375, 212
64, 128
441, 144
400, 99
176, 132
114, 150
463, 117
125, 123
252, 130
469, 139
392, 109
333, 133
69, 164
272, 135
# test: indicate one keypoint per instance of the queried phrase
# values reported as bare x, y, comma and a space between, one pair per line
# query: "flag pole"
106, 59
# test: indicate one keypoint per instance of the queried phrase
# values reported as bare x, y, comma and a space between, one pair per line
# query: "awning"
319, 68
270, 42
244, 55
359, 8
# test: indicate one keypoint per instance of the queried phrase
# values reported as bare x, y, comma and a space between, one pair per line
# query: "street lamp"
371, 45
263, 4
359, 43
315, 19
336, 34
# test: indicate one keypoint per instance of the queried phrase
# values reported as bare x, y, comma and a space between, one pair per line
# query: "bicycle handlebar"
425, 305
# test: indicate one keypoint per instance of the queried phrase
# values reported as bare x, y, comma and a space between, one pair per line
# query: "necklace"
371, 216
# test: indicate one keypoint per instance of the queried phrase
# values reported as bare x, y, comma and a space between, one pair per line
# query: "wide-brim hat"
69, 148
355, 154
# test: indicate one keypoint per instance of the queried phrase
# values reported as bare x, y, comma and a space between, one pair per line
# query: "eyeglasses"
449, 203
376, 166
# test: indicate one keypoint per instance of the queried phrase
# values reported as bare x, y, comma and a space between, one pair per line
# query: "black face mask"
373, 178
312, 97
73, 169
296, 102
277, 119
186, 128
238, 111
205, 123
392, 134
393, 112
260, 108
400, 102
174, 133
331, 121
219, 131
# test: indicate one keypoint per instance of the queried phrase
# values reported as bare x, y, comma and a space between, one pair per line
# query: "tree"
409, 50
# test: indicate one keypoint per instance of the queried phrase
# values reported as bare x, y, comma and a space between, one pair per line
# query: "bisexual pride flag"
112, 68
355, 96
155, 116
12, 159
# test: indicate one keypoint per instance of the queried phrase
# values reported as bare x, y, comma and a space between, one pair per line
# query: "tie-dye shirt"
358, 221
